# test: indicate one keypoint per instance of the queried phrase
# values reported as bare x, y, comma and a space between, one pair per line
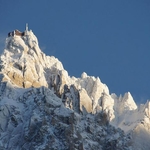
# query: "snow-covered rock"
42, 107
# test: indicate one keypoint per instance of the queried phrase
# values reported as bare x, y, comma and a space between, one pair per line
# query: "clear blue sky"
105, 38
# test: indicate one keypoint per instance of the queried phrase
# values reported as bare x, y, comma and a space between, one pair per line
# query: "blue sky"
104, 38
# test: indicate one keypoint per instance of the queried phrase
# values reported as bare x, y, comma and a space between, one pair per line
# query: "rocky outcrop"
35, 119
25, 65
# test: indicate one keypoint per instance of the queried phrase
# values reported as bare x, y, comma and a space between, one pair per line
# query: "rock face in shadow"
42, 107
35, 119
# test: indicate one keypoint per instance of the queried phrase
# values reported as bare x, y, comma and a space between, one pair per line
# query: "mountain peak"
40, 99
129, 102
24, 64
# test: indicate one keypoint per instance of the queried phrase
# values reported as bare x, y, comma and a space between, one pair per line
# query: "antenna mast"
26, 26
